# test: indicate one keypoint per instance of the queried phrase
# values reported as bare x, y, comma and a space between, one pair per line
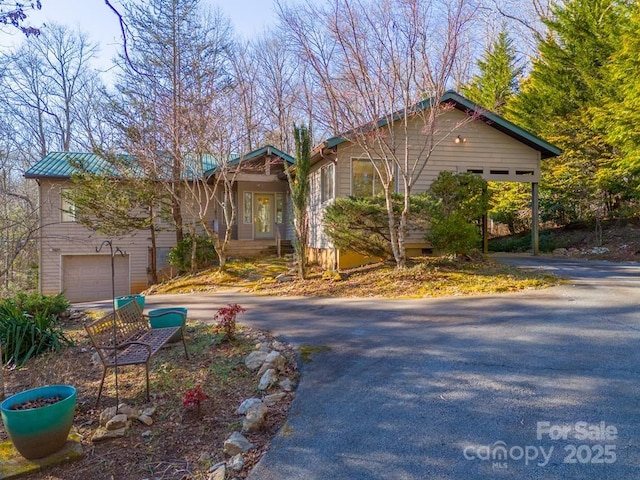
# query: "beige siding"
60, 239
482, 148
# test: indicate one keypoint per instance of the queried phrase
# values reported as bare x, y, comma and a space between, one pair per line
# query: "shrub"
226, 318
180, 255
360, 224
454, 234
35, 303
193, 398
457, 202
29, 326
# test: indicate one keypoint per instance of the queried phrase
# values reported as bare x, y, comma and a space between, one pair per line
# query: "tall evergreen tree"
566, 82
497, 78
620, 116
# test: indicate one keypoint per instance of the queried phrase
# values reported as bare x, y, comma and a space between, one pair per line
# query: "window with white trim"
327, 182
68, 207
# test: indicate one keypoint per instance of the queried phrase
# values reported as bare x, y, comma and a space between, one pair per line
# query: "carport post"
535, 248
485, 223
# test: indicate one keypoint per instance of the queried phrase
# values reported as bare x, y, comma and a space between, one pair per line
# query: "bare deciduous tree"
376, 64
175, 111
44, 81
279, 88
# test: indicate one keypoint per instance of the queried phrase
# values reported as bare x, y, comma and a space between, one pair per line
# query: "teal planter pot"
40, 431
121, 301
168, 317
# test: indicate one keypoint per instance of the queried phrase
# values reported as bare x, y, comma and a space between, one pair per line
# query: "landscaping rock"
255, 418
219, 474
149, 411
271, 400
117, 422
244, 406
130, 412
102, 434
268, 379
106, 415
236, 443
274, 360
95, 359
146, 419
255, 359
286, 384
236, 463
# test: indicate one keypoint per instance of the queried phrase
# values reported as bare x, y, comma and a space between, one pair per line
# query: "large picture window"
327, 182
365, 181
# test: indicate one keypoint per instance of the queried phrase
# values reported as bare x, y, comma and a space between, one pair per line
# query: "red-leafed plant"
226, 317
193, 397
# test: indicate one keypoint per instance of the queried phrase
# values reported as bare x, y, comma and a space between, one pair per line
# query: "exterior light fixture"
460, 139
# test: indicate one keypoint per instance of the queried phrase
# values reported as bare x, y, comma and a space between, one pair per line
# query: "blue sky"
248, 17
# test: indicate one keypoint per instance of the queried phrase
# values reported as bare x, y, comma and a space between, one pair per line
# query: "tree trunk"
154, 247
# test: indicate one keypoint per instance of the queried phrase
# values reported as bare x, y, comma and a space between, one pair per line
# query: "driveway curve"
541, 384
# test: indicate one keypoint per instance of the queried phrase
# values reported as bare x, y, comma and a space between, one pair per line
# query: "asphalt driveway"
533, 385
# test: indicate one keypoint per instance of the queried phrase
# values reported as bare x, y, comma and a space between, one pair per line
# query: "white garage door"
88, 277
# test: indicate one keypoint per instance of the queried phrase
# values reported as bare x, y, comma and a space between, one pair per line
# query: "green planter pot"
168, 317
121, 301
40, 431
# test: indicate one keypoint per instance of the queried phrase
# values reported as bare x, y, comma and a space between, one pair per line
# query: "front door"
263, 221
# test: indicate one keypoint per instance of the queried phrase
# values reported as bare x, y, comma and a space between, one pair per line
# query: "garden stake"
113, 306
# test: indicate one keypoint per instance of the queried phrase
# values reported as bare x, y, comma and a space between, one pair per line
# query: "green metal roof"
254, 154
461, 103
63, 164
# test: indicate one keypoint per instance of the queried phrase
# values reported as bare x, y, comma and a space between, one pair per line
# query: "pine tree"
497, 79
557, 101
620, 116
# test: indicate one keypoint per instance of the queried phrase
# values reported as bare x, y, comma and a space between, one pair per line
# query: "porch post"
535, 249
485, 233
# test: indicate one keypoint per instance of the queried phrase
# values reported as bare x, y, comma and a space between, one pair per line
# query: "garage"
88, 277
